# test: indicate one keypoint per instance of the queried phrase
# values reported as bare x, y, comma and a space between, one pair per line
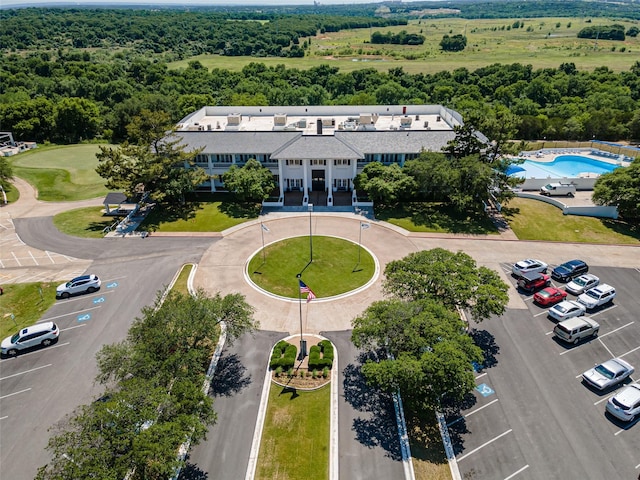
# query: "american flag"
305, 289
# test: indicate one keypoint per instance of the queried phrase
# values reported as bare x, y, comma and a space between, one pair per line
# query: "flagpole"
262, 232
301, 356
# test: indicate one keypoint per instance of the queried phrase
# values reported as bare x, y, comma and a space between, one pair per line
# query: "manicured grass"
61, 173
202, 213
26, 303
88, 222
436, 218
12, 195
489, 41
295, 439
334, 270
534, 220
180, 284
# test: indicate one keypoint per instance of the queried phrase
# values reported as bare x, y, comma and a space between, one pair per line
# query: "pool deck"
549, 155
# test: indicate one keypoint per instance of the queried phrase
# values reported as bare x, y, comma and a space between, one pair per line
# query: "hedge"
326, 361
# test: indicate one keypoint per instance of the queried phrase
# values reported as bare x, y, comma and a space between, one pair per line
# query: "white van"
576, 328
558, 189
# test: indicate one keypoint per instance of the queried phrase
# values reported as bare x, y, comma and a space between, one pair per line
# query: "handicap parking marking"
112, 285
485, 390
84, 318
98, 300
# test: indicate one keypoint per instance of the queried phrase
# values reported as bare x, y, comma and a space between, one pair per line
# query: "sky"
28, 3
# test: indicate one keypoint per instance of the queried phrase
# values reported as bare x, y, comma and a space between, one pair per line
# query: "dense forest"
53, 87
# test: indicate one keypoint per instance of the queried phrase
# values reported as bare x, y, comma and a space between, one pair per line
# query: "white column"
306, 165
330, 181
281, 178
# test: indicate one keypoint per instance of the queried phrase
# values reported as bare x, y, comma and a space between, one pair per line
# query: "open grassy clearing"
549, 43
534, 220
295, 439
435, 218
27, 302
88, 222
335, 268
61, 173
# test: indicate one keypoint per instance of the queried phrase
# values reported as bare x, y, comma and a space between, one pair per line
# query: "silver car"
625, 405
528, 265
608, 374
582, 283
566, 309
43, 334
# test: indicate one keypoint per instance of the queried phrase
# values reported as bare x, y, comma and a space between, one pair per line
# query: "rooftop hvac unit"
366, 119
234, 119
209, 127
201, 128
328, 122
405, 121
302, 123
280, 119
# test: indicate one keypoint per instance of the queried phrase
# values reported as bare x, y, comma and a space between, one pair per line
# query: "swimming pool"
563, 166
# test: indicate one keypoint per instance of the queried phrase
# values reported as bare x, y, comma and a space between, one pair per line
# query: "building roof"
397, 142
236, 142
317, 147
115, 198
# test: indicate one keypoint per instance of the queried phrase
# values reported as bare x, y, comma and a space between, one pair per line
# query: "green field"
535, 220
61, 173
338, 266
87, 222
295, 439
22, 304
549, 43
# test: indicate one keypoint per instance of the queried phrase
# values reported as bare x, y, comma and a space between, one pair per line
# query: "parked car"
40, 334
82, 284
566, 309
532, 281
549, 296
625, 405
575, 329
608, 374
527, 266
600, 295
582, 283
569, 270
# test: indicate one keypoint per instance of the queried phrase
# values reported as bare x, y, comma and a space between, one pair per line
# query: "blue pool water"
563, 166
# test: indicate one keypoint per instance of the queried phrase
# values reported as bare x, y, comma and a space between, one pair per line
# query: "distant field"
549, 43
61, 173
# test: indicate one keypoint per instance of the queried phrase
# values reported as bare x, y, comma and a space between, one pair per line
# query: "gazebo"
117, 203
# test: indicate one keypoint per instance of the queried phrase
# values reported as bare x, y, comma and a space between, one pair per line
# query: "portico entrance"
318, 181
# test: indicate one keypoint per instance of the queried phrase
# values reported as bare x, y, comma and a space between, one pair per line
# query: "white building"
314, 152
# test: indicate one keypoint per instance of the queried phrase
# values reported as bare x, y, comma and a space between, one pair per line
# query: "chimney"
404, 110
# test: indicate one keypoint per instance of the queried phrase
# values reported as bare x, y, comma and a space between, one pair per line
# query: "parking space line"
14, 393
638, 465
34, 258
7, 416
481, 375
471, 413
611, 394
49, 255
613, 331
541, 313
57, 345
75, 326
631, 424
627, 353
66, 314
606, 348
484, 445
516, 473
26, 371
604, 310
82, 297
16, 259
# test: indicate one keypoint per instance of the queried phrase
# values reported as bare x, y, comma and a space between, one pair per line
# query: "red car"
549, 296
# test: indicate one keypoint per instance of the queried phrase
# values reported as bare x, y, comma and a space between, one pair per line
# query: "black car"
568, 270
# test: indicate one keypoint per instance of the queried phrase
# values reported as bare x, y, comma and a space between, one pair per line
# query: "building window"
222, 158
342, 162
294, 163
202, 160
318, 162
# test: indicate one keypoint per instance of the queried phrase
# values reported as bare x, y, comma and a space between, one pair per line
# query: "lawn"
427, 451
61, 173
295, 439
435, 218
12, 195
535, 220
335, 268
180, 284
88, 222
548, 43
26, 302
204, 212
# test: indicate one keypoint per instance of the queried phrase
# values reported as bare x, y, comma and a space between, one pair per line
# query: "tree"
621, 188
385, 184
76, 119
250, 183
454, 43
450, 278
157, 164
426, 352
6, 175
155, 398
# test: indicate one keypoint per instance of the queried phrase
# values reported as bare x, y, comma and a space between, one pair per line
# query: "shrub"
278, 371
290, 373
325, 372
278, 350
314, 357
315, 374
288, 360
327, 353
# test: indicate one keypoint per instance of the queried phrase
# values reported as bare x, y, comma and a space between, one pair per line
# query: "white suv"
597, 296
41, 334
82, 284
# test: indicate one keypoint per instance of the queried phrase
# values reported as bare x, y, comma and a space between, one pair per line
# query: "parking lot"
531, 416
